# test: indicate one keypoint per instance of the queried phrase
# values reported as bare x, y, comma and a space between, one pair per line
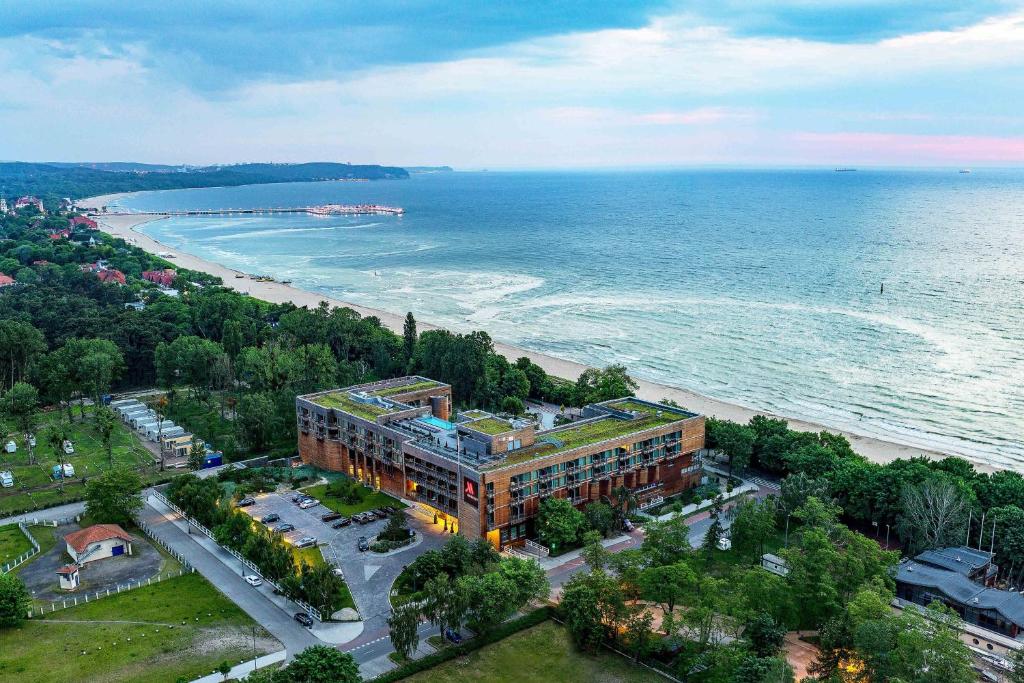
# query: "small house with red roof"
6, 280
98, 542
164, 278
60, 234
82, 222
29, 200
111, 275
68, 575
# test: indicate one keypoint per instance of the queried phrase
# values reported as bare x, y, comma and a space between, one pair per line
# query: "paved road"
279, 623
58, 512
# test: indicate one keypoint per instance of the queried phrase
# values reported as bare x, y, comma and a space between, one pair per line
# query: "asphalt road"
279, 623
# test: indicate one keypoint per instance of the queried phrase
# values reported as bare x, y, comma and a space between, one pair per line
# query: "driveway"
40, 574
278, 622
369, 576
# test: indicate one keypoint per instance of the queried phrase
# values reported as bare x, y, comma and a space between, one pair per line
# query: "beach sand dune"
124, 227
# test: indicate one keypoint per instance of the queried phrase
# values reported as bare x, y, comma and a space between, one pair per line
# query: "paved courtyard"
40, 574
369, 576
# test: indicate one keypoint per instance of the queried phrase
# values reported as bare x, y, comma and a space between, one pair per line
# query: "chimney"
439, 407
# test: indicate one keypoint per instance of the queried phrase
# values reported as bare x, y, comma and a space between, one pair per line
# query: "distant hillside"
52, 181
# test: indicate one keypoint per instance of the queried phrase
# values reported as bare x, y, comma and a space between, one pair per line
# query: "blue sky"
515, 84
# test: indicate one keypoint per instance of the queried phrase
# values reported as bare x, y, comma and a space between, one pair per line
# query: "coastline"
124, 226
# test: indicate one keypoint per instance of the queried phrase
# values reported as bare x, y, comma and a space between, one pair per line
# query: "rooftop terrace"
419, 384
340, 400
490, 425
594, 431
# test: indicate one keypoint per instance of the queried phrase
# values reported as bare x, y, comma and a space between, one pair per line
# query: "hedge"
414, 666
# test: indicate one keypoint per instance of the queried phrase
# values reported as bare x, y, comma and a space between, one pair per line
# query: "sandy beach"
125, 227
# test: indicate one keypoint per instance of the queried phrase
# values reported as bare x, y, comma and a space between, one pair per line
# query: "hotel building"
486, 474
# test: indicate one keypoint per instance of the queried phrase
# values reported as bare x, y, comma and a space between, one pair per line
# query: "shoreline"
125, 227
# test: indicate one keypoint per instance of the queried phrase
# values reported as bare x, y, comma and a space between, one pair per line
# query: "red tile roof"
111, 275
6, 280
82, 539
68, 569
83, 221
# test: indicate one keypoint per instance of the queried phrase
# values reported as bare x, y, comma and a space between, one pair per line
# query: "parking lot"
369, 576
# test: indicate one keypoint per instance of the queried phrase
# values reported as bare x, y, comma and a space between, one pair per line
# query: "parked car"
337, 572
381, 513
284, 528
344, 521
296, 497
304, 619
254, 580
69, 448
306, 542
388, 509
363, 518
271, 518
330, 517
246, 502
364, 544
309, 503
454, 636
627, 525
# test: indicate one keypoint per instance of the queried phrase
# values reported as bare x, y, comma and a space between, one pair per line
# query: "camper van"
11, 447
69, 448
6, 479
69, 471
152, 431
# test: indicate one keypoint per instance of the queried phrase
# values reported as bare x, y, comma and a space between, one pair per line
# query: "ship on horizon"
845, 169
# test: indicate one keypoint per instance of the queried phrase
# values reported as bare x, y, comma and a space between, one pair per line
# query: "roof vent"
975, 601
958, 559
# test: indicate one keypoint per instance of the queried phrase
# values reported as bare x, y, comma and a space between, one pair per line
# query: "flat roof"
490, 425
405, 385
596, 430
341, 400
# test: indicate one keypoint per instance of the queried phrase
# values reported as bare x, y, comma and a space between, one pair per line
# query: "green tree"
444, 603
668, 584
322, 663
224, 668
55, 435
811, 577
600, 518
513, 405
403, 627
733, 439
409, 337
666, 542
113, 496
558, 523
716, 530
752, 527
256, 419
764, 634
321, 588
14, 600
592, 604
21, 406
594, 554
106, 422
1017, 659
762, 670
20, 345
596, 385
638, 627
196, 454
397, 528
934, 514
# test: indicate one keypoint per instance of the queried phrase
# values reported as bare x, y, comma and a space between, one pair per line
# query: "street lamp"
886, 536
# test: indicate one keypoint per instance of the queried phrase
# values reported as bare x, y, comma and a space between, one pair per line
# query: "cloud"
941, 149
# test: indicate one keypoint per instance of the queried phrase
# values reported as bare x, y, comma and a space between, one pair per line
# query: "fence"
38, 611
24, 557
248, 564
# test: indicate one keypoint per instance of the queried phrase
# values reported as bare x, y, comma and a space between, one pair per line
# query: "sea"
889, 303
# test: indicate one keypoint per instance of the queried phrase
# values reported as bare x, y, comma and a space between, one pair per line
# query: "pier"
321, 210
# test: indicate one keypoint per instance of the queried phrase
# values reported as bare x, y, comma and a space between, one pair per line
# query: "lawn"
542, 653
371, 499
313, 556
33, 487
181, 627
13, 543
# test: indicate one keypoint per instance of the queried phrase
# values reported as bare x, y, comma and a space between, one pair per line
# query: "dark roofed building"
957, 578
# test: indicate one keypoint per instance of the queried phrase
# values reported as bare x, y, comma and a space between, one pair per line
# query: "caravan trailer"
136, 421
173, 431
152, 432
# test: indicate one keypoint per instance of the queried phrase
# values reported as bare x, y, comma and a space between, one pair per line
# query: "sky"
515, 84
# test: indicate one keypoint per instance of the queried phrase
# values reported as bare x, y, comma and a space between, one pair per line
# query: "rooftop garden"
339, 400
634, 406
491, 426
405, 388
584, 434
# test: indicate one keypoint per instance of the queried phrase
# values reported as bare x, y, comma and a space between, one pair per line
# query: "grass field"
12, 543
542, 653
181, 627
32, 483
371, 499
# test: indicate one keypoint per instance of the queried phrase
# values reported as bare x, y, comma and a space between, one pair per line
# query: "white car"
306, 504
69, 447
254, 580
337, 572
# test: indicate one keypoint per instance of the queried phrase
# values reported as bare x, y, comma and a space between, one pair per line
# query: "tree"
600, 518
196, 454
666, 542
639, 624
591, 603
321, 663
934, 515
811, 577
764, 634
735, 440
667, 584
55, 436
224, 668
594, 554
623, 501
716, 530
752, 526
409, 337
21, 406
397, 528
762, 669
256, 419
444, 603
14, 600
558, 523
513, 405
106, 421
594, 385
20, 344
403, 625
1017, 659
113, 496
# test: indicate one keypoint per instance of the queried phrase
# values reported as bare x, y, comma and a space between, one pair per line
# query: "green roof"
491, 426
602, 429
405, 388
340, 400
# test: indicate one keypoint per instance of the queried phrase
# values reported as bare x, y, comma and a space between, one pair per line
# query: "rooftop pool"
436, 422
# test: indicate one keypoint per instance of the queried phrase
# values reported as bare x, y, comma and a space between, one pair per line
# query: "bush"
533, 618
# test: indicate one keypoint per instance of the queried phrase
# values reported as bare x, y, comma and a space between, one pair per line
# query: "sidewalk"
242, 670
615, 544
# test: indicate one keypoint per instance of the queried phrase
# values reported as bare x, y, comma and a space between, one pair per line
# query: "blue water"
437, 422
759, 288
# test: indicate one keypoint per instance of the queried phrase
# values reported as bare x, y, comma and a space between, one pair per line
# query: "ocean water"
761, 288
